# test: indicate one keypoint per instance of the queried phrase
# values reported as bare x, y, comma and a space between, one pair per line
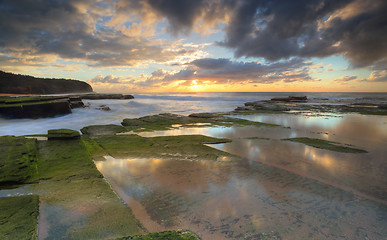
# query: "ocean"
154, 103
274, 188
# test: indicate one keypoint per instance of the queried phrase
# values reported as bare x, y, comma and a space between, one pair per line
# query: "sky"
134, 46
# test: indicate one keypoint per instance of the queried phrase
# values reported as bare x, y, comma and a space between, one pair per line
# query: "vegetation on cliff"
24, 84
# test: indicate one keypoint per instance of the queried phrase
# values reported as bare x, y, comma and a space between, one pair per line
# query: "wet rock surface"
95, 96
50, 106
103, 108
98, 130
62, 134
290, 99
302, 104
37, 106
165, 121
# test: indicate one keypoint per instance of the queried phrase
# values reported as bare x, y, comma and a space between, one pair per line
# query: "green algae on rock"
96, 152
64, 159
324, 144
85, 209
19, 217
63, 134
184, 147
96, 130
273, 107
76, 186
166, 121
37, 106
166, 235
18, 160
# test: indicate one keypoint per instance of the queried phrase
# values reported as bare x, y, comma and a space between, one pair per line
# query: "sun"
195, 87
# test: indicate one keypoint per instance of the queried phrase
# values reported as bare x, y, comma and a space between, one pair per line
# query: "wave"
149, 104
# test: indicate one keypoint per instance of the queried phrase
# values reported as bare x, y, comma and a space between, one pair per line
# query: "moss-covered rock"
166, 235
19, 217
94, 96
38, 106
74, 185
328, 145
63, 134
18, 160
276, 107
203, 115
65, 159
97, 130
35, 109
184, 147
167, 121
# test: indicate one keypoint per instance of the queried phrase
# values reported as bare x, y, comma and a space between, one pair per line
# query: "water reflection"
15, 192
227, 132
363, 174
240, 200
363, 130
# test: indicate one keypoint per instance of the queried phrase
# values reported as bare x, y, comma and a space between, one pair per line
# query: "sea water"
278, 189
155, 103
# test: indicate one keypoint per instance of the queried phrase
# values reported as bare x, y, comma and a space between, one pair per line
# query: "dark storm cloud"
34, 23
272, 29
281, 29
182, 14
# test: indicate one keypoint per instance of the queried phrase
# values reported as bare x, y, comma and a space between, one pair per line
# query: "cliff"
23, 84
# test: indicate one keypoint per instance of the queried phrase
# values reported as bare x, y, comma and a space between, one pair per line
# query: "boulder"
98, 130
96, 96
290, 99
63, 134
242, 109
202, 115
128, 96
103, 108
76, 102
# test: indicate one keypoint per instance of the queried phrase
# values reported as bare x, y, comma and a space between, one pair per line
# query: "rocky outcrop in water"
49, 106
97, 96
290, 99
24, 84
37, 106
296, 105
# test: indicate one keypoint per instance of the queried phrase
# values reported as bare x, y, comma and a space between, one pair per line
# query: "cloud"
78, 30
345, 79
227, 71
376, 76
184, 15
108, 79
280, 29
127, 33
224, 71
